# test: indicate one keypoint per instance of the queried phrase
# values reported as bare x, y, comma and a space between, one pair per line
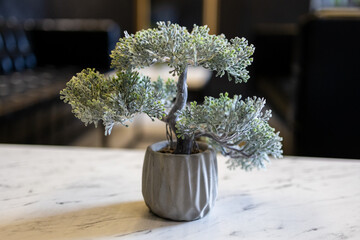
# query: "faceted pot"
177, 186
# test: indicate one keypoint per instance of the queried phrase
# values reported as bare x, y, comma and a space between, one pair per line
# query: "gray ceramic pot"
177, 186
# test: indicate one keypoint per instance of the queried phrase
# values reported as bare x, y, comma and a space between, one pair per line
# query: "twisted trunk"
183, 146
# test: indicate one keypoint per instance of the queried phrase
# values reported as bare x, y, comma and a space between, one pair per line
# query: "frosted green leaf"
117, 99
237, 128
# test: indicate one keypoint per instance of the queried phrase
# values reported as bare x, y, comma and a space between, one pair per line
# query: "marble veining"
82, 193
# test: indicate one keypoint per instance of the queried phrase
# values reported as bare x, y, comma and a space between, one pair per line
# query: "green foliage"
117, 99
174, 45
238, 129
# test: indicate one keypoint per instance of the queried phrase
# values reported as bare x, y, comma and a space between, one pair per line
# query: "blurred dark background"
306, 63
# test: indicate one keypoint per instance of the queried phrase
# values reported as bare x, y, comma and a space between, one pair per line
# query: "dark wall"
243, 18
329, 83
240, 17
23, 9
237, 17
121, 11
184, 12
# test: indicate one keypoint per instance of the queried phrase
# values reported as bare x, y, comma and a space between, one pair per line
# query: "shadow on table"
114, 220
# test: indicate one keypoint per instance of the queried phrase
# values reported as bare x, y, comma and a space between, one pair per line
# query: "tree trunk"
183, 146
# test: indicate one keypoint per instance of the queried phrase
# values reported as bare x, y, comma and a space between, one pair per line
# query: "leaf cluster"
116, 99
176, 46
238, 129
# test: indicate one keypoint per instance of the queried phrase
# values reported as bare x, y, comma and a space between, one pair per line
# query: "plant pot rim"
155, 147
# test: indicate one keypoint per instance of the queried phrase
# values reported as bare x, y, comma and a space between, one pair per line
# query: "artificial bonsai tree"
237, 128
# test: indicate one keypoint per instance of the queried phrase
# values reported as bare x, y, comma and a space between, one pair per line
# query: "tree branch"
180, 102
223, 142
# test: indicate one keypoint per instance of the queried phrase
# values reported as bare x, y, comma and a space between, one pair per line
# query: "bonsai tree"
237, 128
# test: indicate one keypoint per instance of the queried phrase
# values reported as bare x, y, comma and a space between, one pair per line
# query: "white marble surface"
82, 193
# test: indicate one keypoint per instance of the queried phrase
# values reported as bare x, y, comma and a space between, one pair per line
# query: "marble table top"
83, 193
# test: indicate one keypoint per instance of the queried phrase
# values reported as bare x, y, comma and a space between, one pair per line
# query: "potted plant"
180, 174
